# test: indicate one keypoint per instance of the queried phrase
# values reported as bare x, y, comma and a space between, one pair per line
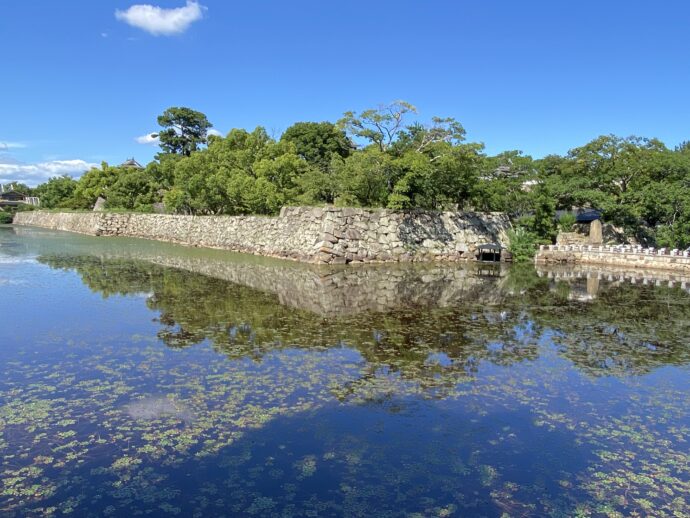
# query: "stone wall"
308, 234
572, 238
605, 233
80, 222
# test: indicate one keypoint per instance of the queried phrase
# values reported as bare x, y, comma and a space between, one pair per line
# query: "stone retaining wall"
572, 238
308, 234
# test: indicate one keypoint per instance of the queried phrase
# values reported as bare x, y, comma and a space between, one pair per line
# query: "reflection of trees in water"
626, 330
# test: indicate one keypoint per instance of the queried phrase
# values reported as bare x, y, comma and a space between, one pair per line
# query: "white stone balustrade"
617, 255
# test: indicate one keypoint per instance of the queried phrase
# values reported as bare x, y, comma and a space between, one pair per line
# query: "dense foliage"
383, 157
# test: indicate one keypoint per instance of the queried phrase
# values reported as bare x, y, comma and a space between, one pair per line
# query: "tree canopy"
380, 126
183, 130
318, 142
56, 192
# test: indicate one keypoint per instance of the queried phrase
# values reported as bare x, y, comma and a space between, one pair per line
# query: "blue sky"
83, 79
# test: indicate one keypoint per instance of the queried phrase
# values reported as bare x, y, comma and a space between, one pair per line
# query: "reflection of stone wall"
322, 289
337, 291
614, 274
319, 235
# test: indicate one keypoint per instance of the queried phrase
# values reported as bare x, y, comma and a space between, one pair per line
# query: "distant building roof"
12, 194
130, 162
588, 216
582, 214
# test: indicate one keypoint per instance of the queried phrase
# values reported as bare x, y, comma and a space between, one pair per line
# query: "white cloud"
33, 174
4, 146
149, 138
214, 132
160, 21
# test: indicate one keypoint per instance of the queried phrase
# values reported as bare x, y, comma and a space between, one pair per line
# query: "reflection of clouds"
12, 282
525, 332
17, 260
142, 295
440, 359
10, 261
151, 408
496, 317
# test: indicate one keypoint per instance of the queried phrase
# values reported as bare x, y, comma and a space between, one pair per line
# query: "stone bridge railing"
616, 249
625, 256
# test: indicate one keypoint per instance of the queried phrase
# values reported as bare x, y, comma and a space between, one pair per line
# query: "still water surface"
138, 378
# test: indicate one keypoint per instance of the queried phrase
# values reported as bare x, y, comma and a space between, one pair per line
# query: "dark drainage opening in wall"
489, 253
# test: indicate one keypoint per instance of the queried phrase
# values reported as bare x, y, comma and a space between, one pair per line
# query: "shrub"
523, 244
23, 207
566, 222
675, 235
5, 218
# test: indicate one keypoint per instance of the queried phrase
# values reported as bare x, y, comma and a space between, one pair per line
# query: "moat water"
138, 378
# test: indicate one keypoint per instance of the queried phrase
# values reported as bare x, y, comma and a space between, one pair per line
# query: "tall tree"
183, 131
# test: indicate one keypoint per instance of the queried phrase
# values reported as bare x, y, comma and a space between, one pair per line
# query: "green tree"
318, 142
505, 183
162, 170
566, 222
134, 189
605, 172
427, 138
316, 186
94, 183
243, 173
183, 130
544, 218
457, 174
365, 178
380, 126
56, 192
